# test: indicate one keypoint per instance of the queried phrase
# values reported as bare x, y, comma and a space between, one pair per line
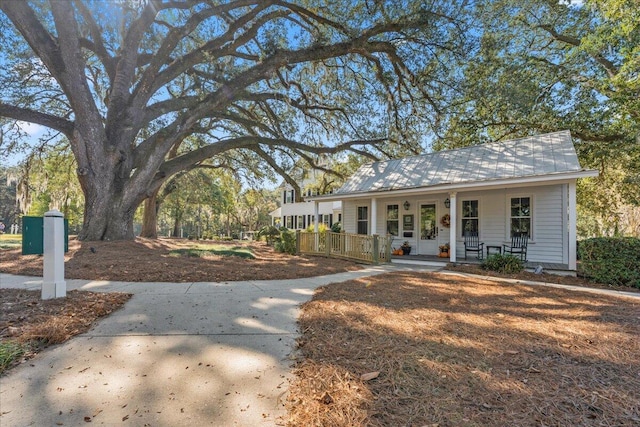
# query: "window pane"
392, 228
525, 207
362, 213
392, 212
362, 227
469, 225
470, 208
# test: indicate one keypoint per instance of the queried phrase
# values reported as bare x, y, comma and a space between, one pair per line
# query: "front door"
428, 241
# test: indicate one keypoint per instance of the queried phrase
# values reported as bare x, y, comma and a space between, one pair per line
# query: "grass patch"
203, 252
10, 353
10, 241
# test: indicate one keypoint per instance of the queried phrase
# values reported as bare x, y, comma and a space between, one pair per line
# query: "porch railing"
358, 247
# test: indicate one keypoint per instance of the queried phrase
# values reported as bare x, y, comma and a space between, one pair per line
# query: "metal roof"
540, 155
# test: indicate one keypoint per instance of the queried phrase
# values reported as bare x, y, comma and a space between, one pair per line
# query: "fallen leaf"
87, 419
125, 418
326, 398
369, 375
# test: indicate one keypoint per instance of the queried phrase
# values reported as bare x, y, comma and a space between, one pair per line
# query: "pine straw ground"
454, 351
29, 324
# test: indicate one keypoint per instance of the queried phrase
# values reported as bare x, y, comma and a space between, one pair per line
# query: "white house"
300, 215
526, 186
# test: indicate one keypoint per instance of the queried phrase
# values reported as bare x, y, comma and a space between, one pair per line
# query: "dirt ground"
29, 324
429, 349
148, 260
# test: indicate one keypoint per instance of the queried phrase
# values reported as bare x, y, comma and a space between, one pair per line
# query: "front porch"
435, 261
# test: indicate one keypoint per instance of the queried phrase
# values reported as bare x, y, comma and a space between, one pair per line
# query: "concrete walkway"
176, 354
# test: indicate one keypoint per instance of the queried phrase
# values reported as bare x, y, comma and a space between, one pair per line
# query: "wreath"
445, 220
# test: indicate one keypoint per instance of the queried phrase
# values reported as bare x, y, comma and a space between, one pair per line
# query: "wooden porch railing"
358, 247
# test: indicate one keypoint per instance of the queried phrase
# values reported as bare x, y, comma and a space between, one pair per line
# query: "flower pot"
406, 250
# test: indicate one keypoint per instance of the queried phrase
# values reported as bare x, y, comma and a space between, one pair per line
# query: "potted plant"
406, 248
444, 250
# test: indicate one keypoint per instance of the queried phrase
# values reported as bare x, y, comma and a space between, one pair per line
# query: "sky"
33, 131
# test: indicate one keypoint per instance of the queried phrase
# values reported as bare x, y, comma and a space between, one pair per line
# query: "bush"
287, 242
611, 260
270, 234
322, 227
336, 227
507, 264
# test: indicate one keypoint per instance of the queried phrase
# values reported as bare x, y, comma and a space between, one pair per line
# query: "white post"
374, 216
316, 215
452, 227
572, 225
53, 284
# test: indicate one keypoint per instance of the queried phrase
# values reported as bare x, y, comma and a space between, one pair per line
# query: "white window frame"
386, 218
358, 220
462, 217
507, 228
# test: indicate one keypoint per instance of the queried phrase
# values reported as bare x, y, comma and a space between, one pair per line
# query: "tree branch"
31, 116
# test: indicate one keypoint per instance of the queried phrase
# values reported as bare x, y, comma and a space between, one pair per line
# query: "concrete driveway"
177, 354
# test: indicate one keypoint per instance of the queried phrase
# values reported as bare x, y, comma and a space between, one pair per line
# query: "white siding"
549, 242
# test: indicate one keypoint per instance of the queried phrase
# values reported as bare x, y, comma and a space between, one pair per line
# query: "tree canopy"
127, 82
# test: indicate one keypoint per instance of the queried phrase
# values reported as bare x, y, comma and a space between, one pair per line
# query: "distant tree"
9, 213
128, 82
541, 66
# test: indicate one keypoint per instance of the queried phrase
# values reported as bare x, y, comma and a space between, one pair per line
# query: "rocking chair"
472, 243
518, 245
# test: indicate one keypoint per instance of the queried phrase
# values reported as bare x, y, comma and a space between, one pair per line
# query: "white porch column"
316, 215
53, 284
374, 216
452, 228
572, 225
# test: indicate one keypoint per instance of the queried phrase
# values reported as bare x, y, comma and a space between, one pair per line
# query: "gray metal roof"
526, 157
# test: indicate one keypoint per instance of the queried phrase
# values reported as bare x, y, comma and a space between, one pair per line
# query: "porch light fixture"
447, 203
406, 205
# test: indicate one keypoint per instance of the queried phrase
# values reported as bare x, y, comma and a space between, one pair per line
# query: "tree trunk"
177, 224
150, 216
106, 219
107, 216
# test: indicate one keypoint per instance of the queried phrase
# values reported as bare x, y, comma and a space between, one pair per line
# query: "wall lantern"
406, 205
447, 203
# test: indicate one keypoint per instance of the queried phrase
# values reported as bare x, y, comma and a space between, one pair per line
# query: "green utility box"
33, 235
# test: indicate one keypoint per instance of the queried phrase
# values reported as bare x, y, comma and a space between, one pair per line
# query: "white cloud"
31, 129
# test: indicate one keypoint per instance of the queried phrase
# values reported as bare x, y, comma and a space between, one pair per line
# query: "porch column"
374, 216
572, 225
316, 215
452, 226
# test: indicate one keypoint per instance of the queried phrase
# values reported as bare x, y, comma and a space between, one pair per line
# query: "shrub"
270, 234
507, 264
287, 242
336, 227
611, 260
322, 227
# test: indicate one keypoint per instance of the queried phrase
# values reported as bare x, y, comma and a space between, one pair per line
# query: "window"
288, 196
289, 222
326, 219
521, 215
469, 216
363, 220
392, 219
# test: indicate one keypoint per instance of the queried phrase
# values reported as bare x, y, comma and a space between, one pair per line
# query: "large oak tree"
127, 82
